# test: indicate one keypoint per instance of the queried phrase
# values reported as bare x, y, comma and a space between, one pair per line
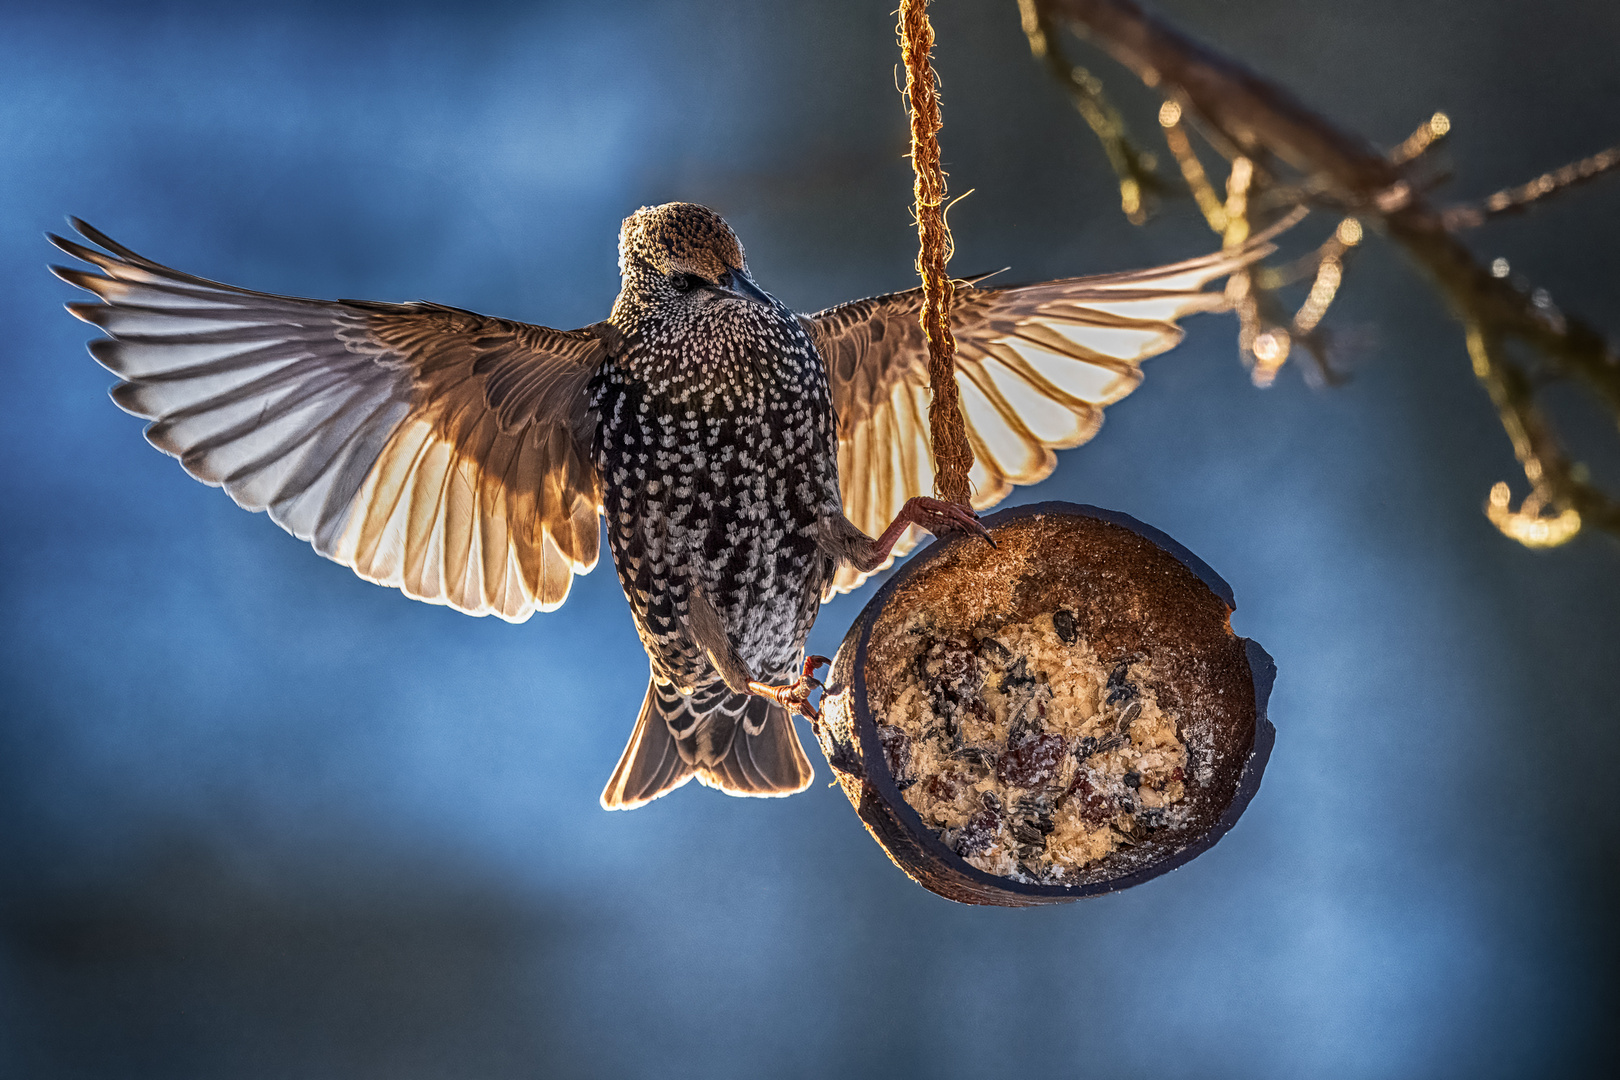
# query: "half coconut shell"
1133, 591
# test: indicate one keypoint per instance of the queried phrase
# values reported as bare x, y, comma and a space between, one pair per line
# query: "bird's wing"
1035, 364
438, 451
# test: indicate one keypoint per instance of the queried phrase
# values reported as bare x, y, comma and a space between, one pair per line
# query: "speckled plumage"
717, 445
749, 462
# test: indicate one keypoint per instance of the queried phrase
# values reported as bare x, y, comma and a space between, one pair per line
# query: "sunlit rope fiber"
953, 456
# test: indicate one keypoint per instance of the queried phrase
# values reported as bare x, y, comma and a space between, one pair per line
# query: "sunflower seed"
1120, 688
990, 647
1026, 833
977, 756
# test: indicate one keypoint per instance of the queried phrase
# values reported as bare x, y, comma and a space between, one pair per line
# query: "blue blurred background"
262, 819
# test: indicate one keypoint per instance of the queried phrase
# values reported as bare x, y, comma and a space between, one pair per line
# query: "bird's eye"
683, 283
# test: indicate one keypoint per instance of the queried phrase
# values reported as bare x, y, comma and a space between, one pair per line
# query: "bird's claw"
943, 517
795, 696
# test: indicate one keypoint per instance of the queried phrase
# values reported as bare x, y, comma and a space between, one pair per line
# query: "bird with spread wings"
456, 456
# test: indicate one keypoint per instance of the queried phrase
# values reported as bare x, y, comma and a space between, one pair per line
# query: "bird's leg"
795, 696
935, 515
704, 623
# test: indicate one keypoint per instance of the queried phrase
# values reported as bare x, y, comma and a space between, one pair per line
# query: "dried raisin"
1032, 762
979, 834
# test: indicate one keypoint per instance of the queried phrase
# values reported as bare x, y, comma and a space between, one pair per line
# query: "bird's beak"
739, 286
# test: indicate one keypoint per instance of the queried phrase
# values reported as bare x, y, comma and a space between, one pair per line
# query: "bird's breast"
717, 454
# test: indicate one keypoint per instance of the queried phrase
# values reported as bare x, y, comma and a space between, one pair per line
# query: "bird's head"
683, 250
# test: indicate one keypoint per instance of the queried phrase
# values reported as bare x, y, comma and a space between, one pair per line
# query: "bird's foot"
795, 696
936, 515
940, 517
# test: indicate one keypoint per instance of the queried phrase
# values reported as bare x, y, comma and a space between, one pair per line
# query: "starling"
749, 462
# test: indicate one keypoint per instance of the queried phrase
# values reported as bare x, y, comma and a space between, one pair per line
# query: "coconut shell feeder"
1132, 593
1068, 706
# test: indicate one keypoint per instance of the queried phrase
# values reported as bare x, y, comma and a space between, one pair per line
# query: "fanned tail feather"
651, 764
736, 743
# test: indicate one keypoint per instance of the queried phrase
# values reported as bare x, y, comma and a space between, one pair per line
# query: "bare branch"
1422, 140
1259, 117
1556, 484
1135, 169
1518, 199
1192, 169
1255, 123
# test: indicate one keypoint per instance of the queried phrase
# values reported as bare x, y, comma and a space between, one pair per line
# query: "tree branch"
1257, 124
1135, 170
1516, 200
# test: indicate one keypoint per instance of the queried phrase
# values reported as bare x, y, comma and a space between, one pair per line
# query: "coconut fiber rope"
953, 457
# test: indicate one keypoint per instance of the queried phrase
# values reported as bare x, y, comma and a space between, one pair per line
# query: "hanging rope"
953, 457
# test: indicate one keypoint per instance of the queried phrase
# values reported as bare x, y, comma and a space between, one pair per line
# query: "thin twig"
1422, 140
1256, 116
1556, 483
1192, 169
1137, 178
1516, 200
